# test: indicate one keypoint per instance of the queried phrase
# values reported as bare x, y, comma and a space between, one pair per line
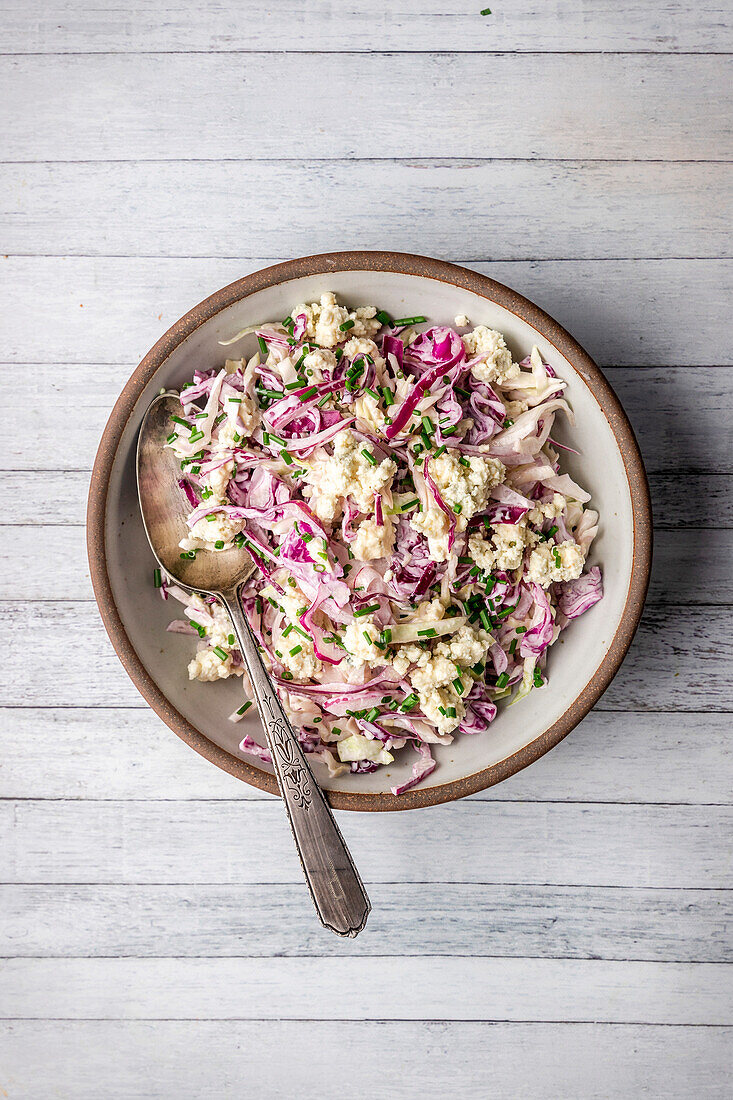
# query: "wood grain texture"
690, 566
146, 842
103, 1060
539, 990
152, 153
572, 106
634, 757
658, 210
104, 310
503, 921
61, 26
678, 660
658, 401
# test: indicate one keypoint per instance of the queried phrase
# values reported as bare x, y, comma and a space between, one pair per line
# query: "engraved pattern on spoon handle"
336, 888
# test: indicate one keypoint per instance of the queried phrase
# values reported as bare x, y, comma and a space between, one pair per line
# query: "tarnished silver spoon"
333, 880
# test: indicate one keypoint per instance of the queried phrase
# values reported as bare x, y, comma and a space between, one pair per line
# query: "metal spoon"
333, 880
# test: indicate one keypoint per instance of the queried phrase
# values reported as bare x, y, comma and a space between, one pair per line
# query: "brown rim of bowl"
403, 264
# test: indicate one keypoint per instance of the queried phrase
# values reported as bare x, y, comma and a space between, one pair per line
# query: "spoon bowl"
165, 508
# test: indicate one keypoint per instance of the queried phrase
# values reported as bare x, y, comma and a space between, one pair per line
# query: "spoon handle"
333, 880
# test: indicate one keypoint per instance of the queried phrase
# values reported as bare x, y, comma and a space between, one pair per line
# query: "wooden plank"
591, 765
91, 107
146, 1060
520, 921
677, 661
72, 26
658, 401
690, 566
58, 497
408, 988
148, 842
66, 208
106, 310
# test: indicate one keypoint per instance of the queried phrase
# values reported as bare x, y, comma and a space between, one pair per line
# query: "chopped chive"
478, 668
336, 729
263, 345
409, 321
441, 450
490, 585
409, 702
410, 504
307, 394
507, 611
371, 393
386, 636
347, 325
265, 438
235, 400
196, 436
465, 561
383, 317
366, 610
507, 423
502, 680
458, 685
287, 630
219, 544
221, 653
513, 645
239, 540
367, 635
369, 457
276, 439
172, 438
231, 639
538, 681
287, 459
157, 578
464, 462
296, 385
273, 394
556, 556
338, 353
428, 425
458, 508
475, 571
443, 710
552, 532
449, 431
180, 420
486, 622
324, 401
429, 633
295, 650
486, 11
244, 708
388, 396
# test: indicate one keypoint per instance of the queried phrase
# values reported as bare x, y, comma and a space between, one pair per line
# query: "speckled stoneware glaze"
580, 666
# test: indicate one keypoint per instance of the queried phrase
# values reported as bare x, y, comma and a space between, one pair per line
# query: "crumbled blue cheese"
346, 473
325, 318
465, 489
496, 360
360, 638
373, 541
548, 563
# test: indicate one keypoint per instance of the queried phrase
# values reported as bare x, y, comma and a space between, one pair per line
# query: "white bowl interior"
572, 661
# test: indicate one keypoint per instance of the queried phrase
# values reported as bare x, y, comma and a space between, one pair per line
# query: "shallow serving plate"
580, 666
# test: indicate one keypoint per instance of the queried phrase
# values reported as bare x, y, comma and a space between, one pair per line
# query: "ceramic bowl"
580, 666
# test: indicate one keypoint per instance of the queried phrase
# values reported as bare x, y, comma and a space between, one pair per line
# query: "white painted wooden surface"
566, 934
